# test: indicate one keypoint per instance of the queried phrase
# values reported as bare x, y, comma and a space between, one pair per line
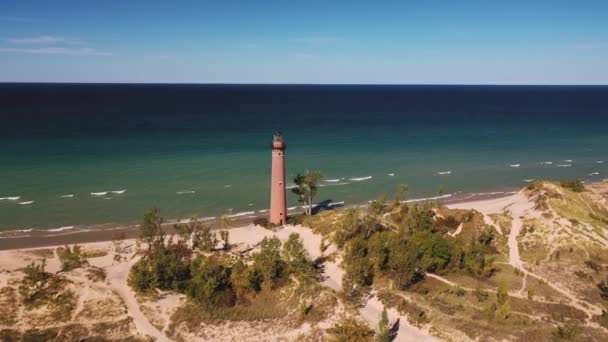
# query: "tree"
383, 328
502, 301
210, 283
268, 262
224, 234
151, 230
350, 330
71, 258
296, 258
306, 188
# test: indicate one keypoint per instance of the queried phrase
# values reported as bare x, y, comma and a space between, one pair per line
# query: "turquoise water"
205, 150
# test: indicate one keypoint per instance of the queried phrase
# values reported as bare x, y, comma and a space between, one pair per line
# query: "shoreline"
105, 232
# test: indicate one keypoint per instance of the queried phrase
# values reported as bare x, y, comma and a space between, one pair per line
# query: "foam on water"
515, 165
391, 174
568, 160
335, 184
359, 179
119, 192
333, 204
599, 162
333, 180
427, 198
263, 211
182, 192
594, 173
292, 208
564, 165
445, 172
60, 229
291, 186
529, 180
244, 213
26, 202
10, 198
102, 193
67, 196
547, 162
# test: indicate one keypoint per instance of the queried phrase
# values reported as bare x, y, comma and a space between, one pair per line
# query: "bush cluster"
217, 280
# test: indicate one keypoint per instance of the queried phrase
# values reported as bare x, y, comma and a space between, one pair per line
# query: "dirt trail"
117, 277
521, 206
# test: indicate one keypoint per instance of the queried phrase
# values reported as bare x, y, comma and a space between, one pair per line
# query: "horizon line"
310, 84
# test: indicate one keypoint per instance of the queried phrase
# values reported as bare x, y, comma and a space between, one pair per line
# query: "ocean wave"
182, 192
263, 211
26, 202
244, 213
333, 204
445, 172
546, 162
391, 174
568, 160
359, 179
24, 230
515, 165
119, 192
13, 198
594, 173
564, 165
292, 208
60, 229
426, 198
529, 180
599, 162
335, 184
103, 193
291, 186
228, 186
333, 180
67, 196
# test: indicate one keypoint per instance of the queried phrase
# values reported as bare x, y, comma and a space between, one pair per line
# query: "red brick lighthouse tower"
278, 205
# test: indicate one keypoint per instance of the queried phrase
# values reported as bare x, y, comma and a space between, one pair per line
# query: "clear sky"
292, 41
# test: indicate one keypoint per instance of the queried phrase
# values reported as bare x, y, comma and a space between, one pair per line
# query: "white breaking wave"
26, 202
333, 180
426, 198
335, 184
359, 179
599, 162
13, 198
245, 213
515, 165
228, 186
594, 173
445, 172
292, 208
119, 191
60, 229
181, 192
564, 165
333, 204
291, 186
24, 230
263, 211
529, 180
103, 193
568, 160
547, 162
391, 174
67, 196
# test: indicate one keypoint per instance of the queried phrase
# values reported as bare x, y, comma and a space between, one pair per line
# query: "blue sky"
292, 41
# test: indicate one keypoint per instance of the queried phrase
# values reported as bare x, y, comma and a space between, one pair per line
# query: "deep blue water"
156, 141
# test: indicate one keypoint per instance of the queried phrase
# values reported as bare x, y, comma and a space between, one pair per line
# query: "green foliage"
197, 234
306, 188
418, 217
503, 305
358, 271
71, 258
383, 328
210, 283
476, 259
575, 185
35, 282
151, 230
350, 330
296, 258
268, 263
165, 267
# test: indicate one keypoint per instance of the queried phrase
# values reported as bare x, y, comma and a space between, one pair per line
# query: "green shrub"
350, 330
575, 185
71, 258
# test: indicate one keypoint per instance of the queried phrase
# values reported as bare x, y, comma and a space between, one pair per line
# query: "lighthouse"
278, 205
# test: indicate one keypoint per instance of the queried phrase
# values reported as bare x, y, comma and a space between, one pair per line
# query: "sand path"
117, 278
521, 206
